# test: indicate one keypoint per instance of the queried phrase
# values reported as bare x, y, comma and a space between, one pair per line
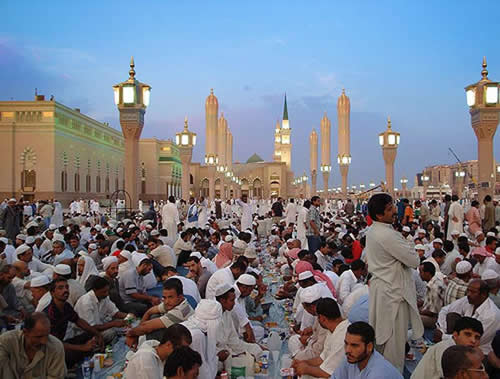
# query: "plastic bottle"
86, 371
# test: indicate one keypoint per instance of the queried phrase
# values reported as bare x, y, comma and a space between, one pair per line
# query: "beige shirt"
163, 256
333, 351
47, 363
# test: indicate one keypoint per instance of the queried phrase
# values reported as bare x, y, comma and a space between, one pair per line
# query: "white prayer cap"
38, 236
62, 269
228, 238
490, 234
119, 230
247, 280
196, 254
12, 200
282, 220
463, 235
126, 254
406, 229
21, 237
421, 231
98, 228
455, 232
138, 258
40, 281
4, 240
341, 235
437, 240
131, 226
338, 229
155, 233
107, 261
30, 240
497, 251
419, 246
58, 237
92, 246
478, 233
250, 253
52, 227
22, 249
305, 275
489, 274
463, 267
111, 224
290, 240
221, 289
309, 295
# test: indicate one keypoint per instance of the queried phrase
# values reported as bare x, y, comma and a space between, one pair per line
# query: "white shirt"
346, 283
333, 277
353, 297
488, 313
333, 350
322, 260
76, 290
145, 363
489, 263
44, 302
224, 275
93, 311
189, 287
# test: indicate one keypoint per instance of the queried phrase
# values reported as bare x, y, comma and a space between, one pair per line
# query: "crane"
469, 174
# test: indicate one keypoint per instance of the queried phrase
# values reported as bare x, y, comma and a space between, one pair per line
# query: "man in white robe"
455, 217
291, 212
170, 217
246, 212
393, 300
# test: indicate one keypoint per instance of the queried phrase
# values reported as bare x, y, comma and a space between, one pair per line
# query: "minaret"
211, 116
221, 140
326, 165
286, 145
344, 142
277, 143
313, 143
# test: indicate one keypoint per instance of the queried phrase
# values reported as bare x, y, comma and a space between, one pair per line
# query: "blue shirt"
360, 310
376, 368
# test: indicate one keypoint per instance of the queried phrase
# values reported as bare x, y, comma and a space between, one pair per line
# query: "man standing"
455, 217
489, 214
11, 219
393, 300
170, 217
277, 209
192, 215
246, 212
32, 352
291, 212
313, 223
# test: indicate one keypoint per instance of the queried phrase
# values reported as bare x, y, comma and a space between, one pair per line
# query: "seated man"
183, 363
434, 296
149, 360
362, 360
243, 288
460, 361
22, 286
60, 312
226, 275
309, 342
330, 318
173, 310
40, 292
76, 289
467, 332
476, 304
228, 343
32, 352
349, 279
99, 311
132, 289
11, 309
163, 254
198, 273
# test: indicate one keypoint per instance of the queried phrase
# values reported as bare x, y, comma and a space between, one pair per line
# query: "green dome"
255, 158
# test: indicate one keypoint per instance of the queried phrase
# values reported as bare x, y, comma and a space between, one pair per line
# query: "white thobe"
456, 210
170, 218
224, 275
246, 214
301, 227
93, 311
145, 363
203, 214
291, 213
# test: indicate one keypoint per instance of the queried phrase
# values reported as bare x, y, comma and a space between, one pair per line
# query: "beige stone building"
51, 151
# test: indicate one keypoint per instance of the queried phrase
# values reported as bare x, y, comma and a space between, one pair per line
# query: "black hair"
456, 358
193, 258
438, 253
176, 334
184, 357
169, 269
428, 267
490, 239
328, 307
31, 319
468, 323
99, 283
362, 329
224, 295
314, 198
377, 204
448, 246
357, 265
174, 284
302, 254
57, 280
241, 263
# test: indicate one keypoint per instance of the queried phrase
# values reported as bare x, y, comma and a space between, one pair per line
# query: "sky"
405, 59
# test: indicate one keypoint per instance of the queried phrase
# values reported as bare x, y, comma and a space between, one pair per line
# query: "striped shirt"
457, 289
176, 315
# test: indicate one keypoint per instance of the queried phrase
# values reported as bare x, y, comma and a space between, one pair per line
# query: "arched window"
28, 172
257, 188
205, 191
77, 182
98, 183
88, 183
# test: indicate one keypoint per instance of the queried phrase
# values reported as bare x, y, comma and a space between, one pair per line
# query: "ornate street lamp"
389, 141
186, 140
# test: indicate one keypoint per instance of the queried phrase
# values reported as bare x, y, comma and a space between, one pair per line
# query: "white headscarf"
107, 261
88, 269
208, 318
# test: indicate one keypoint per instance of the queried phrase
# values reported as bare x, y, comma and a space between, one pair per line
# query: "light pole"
313, 144
389, 141
425, 182
132, 99
483, 102
304, 184
404, 182
459, 179
186, 140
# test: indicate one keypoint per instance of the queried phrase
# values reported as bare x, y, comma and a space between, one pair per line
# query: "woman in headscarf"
225, 255
318, 275
85, 268
204, 326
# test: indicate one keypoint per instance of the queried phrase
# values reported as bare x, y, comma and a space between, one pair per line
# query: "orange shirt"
408, 215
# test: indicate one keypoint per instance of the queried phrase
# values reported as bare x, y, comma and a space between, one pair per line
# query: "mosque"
52, 151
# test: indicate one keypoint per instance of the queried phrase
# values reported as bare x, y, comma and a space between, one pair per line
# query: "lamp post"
484, 105
186, 140
459, 180
425, 182
404, 182
132, 99
313, 155
389, 141
304, 184
325, 169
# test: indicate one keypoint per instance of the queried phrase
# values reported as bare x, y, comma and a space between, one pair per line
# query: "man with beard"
198, 273
362, 360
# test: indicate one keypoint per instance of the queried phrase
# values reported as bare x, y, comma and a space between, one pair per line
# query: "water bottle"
86, 371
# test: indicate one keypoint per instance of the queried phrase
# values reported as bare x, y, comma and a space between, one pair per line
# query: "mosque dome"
255, 158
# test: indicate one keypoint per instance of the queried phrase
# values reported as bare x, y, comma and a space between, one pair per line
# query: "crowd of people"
375, 285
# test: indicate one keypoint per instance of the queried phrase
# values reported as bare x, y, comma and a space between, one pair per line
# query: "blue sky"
407, 60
